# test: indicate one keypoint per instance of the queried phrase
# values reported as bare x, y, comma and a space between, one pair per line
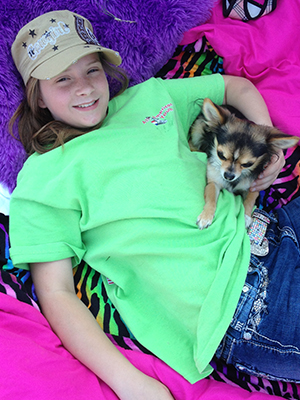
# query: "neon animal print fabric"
286, 186
194, 59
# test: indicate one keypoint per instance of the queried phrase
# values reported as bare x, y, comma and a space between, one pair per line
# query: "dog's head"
238, 147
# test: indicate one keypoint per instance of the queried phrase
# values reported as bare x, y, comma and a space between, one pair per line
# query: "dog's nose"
229, 176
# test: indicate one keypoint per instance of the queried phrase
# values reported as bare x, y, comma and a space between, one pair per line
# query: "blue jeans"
264, 336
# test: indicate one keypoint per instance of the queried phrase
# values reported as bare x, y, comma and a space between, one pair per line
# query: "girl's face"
78, 96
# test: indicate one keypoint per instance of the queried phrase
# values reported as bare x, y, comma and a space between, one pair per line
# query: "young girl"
113, 182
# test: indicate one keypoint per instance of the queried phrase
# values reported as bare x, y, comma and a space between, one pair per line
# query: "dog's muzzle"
229, 176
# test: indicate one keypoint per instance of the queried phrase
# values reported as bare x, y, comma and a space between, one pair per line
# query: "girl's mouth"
88, 105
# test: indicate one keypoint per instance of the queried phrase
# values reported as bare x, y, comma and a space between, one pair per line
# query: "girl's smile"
88, 105
78, 96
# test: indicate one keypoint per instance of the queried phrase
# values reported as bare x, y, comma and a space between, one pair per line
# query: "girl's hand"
242, 94
268, 176
145, 388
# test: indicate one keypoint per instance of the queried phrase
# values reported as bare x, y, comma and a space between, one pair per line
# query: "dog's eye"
247, 165
221, 156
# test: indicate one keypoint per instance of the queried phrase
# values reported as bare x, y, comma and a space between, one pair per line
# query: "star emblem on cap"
24, 44
54, 48
52, 20
32, 33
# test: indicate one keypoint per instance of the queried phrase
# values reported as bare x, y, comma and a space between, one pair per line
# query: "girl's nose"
83, 86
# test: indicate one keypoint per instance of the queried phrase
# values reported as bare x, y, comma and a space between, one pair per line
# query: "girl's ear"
41, 103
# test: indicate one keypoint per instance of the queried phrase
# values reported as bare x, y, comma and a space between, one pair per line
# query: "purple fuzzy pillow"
145, 32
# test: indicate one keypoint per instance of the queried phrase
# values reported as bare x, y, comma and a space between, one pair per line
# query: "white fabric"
4, 200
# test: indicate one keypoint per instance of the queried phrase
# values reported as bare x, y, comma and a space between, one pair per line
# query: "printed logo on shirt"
160, 118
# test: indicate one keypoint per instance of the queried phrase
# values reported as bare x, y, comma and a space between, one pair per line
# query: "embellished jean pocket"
257, 231
248, 313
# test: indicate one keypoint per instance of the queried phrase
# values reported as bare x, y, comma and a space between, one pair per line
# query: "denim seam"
293, 349
233, 342
285, 231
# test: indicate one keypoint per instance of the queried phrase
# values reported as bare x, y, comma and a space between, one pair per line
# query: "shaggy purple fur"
145, 45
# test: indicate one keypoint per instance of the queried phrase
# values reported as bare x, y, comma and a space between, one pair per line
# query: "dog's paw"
248, 221
204, 220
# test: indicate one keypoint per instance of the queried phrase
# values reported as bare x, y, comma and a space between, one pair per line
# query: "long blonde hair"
37, 130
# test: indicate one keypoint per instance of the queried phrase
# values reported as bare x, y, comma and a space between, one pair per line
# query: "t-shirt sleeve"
41, 233
188, 94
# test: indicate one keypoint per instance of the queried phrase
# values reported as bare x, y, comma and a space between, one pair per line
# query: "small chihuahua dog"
237, 152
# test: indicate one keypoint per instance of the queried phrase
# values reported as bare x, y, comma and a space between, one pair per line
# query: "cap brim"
61, 61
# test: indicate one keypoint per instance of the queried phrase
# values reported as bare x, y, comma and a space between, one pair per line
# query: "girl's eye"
62, 79
93, 70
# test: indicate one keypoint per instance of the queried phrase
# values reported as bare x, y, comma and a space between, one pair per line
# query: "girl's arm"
243, 95
83, 337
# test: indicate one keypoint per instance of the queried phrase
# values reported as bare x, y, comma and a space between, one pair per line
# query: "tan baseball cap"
50, 43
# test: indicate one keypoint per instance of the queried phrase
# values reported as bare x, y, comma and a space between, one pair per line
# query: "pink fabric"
35, 365
266, 51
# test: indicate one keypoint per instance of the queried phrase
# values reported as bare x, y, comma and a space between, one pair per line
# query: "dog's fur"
237, 152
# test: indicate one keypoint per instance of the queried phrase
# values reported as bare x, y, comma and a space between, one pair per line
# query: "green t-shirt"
125, 198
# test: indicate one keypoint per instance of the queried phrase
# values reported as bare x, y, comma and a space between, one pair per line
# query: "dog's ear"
281, 140
213, 113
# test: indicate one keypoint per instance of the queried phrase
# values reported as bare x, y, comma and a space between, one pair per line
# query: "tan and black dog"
237, 152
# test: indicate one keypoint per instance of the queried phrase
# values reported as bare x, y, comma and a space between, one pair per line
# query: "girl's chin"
90, 124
